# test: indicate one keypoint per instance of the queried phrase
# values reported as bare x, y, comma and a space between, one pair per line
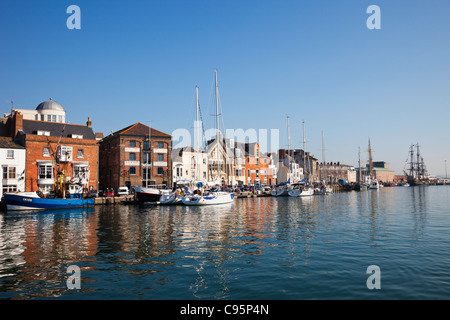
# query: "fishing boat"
21, 201
68, 192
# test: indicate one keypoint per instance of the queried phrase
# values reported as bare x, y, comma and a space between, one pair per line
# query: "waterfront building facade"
380, 170
257, 166
189, 166
52, 146
334, 172
12, 160
135, 156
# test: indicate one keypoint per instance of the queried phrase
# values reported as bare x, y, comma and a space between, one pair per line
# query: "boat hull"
170, 199
307, 192
197, 200
280, 193
149, 194
21, 202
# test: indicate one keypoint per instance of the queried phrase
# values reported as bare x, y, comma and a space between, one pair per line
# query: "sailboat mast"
197, 176
149, 152
324, 166
305, 158
359, 165
217, 122
370, 161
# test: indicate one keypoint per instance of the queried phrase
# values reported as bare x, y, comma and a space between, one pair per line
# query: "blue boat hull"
16, 202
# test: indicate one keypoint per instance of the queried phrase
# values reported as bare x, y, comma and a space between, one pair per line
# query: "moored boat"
150, 194
280, 190
20, 201
171, 198
209, 198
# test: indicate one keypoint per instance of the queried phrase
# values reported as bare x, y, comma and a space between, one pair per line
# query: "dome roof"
50, 105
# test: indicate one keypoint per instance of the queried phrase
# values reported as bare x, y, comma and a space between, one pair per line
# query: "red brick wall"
35, 147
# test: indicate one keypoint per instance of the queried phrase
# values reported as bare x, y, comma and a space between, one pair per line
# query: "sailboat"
373, 182
417, 174
212, 196
282, 188
302, 189
323, 188
150, 193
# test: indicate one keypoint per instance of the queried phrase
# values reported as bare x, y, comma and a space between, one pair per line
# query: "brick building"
129, 158
55, 145
257, 166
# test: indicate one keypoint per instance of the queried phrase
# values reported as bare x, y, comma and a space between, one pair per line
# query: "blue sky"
315, 61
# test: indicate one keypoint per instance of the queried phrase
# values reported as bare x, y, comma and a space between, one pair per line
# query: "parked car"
123, 191
94, 193
108, 193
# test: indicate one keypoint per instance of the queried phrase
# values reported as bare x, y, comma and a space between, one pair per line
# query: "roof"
50, 105
9, 143
139, 129
56, 128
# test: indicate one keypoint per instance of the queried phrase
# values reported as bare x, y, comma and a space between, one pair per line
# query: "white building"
12, 161
189, 166
289, 171
49, 110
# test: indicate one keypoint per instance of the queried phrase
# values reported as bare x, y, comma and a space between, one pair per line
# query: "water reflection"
185, 252
36, 248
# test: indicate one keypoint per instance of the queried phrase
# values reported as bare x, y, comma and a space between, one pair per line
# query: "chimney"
89, 123
18, 123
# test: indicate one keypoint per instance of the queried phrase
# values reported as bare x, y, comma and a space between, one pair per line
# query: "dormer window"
77, 136
43, 133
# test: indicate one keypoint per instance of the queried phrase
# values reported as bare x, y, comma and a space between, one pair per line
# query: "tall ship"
415, 169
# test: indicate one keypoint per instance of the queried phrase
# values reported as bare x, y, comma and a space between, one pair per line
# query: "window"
160, 157
59, 118
160, 145
9, 188
45, 171
42, 117
146, 145
11, 172
49, 117
54, 118
77, 136
248, 173
132, 156
160, 170
10, 154
65, 153
80, 153
46, 152
132, 144
132, 170
257, 173
43, 133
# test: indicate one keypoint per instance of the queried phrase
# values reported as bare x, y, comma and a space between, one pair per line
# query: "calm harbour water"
257, 248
